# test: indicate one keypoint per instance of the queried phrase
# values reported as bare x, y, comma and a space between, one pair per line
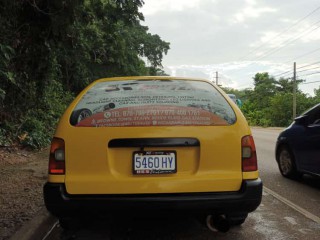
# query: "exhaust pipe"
217, 223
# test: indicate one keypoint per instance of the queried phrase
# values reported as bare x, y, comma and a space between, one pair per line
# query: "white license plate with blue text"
154, 162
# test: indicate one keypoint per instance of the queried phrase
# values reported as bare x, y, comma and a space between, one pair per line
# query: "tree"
285, 85
62, 46
242, 94
280, 112
316, 98
264, 89
270, 102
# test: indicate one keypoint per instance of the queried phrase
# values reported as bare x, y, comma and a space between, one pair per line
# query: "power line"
284, 31
309, 82
272, 51
304, 74
314, 73
308, 69
290, 71
306, 54
308, 65
285, 44
288, 40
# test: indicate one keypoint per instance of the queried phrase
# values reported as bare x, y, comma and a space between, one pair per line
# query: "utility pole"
294, 105
217, 78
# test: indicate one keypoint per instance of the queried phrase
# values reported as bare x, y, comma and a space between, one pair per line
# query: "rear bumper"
62, 204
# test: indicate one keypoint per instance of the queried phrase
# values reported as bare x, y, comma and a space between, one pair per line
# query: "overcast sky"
238, 38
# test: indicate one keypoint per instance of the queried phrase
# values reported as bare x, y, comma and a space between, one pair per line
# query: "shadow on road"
311, 181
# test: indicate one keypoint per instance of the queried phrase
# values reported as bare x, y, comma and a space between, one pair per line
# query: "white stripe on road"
51, 229
292, 205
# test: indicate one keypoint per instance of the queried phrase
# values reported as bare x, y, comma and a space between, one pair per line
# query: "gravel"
22, 176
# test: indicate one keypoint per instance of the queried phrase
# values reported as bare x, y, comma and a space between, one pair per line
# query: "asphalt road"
289, 210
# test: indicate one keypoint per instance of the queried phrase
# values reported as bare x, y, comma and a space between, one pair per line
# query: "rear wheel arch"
279, 147
286, 161
282, 146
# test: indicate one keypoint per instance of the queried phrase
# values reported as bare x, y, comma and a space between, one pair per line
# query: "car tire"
79, 115
286, 163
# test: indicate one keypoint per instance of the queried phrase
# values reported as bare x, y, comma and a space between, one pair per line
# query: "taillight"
249, 156
57, 157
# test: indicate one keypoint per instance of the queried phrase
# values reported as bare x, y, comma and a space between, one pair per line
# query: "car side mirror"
301, 120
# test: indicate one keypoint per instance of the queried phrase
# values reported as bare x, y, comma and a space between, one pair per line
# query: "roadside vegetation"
51, 50
270, 102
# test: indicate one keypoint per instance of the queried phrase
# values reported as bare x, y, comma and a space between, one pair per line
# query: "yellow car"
153, 144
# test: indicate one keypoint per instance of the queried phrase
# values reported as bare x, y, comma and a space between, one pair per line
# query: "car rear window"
152, 103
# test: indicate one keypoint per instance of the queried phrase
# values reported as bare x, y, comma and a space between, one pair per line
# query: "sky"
235, 39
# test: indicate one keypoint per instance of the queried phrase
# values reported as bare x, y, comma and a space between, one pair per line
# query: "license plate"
157, 162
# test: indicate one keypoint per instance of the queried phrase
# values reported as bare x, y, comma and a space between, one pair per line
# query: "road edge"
293, 206
35, 228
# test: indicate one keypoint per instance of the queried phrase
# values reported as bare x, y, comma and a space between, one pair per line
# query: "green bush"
4, 138
34, 133
37, 125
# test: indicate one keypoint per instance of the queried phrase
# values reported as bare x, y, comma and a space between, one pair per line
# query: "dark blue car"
298, 146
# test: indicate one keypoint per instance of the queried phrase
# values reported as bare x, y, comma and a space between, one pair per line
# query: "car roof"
151, 78
311, 109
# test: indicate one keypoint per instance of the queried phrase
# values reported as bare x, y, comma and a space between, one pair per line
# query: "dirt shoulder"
22, 176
